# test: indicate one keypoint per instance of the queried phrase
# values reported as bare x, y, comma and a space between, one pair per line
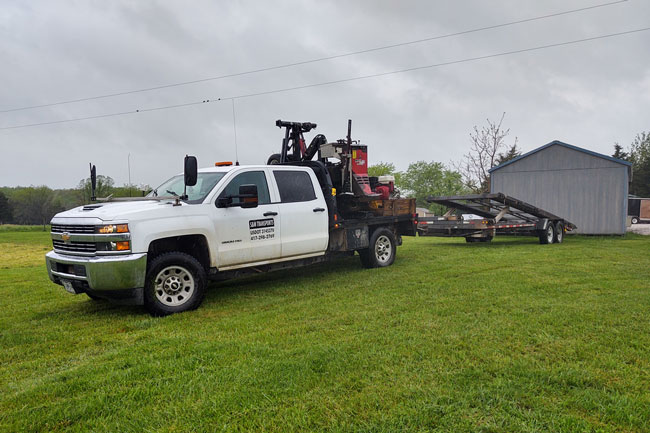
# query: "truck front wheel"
381, 249
175, 282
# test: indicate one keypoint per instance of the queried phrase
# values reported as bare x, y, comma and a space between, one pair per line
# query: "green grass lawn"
510, 336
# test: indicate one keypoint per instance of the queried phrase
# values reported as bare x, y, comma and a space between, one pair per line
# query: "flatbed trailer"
500, 214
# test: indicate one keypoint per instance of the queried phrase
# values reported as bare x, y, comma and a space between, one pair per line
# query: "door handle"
270, 213
319, 209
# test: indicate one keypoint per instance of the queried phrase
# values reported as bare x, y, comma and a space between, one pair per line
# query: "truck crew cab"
219, 223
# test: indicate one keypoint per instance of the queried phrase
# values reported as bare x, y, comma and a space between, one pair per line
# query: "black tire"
273, 159
175, 282
559, 233
547, 236
634, 220
381, 249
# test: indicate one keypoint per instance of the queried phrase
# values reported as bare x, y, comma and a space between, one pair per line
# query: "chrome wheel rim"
174, 286
383, 249
560, 233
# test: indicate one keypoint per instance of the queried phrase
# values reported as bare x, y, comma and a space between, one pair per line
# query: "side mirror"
248, 196
224, 201
190, 170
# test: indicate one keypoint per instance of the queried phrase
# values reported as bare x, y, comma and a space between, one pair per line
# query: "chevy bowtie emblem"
65, 236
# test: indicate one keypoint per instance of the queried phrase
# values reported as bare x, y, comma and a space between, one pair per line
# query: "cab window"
248, 178
294, 186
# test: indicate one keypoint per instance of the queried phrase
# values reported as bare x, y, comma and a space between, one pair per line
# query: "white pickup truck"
159, 251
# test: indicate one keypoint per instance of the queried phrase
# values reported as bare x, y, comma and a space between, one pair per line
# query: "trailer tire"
634, 220
559, 233
381, 249
547, 236
273, 159
175, 282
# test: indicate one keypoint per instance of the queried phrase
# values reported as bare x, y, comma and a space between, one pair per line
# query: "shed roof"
569, 146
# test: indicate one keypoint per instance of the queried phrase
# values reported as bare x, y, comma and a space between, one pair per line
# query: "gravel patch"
640, 229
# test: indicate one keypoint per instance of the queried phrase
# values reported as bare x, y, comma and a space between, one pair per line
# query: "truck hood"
111, 211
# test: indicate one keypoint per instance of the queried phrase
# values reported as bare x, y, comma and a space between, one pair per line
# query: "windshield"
195, 194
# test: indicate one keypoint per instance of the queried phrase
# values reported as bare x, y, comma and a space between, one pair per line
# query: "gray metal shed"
584, 187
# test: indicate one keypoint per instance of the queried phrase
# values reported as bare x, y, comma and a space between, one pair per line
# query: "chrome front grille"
84, 248
73, 228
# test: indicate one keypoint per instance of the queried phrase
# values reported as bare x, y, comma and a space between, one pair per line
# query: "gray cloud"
590, 95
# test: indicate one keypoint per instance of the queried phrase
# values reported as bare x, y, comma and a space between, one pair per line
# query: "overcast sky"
591, 94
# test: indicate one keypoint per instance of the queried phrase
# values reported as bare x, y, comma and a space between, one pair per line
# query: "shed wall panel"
589, 191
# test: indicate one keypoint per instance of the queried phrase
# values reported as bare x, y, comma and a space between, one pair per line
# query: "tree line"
490, 147
36, 205
638, 153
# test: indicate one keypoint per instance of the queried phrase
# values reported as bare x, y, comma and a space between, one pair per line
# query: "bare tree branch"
487, 142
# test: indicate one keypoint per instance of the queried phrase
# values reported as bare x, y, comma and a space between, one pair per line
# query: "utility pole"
128, 161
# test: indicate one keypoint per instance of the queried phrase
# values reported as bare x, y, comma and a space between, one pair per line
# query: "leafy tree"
487, 142
130, 190
511, 154
381, 169
423, 179
35, 205
619, 153
5, 209
104, 188
640, 158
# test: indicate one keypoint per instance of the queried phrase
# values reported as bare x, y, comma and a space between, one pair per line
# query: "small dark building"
587, 188
638, 209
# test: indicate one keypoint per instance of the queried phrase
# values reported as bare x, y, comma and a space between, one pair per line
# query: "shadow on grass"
272, 280
496, 242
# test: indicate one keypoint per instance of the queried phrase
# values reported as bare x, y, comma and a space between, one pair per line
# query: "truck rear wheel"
175, 282
547, 236
635, 220
381, 249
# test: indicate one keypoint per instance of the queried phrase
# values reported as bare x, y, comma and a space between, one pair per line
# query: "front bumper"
112, 277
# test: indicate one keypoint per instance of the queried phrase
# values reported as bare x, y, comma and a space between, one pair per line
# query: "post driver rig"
345, 160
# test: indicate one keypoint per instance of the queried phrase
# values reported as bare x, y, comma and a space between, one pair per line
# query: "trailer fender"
542, 223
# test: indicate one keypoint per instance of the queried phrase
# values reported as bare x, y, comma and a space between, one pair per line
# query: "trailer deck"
500, 214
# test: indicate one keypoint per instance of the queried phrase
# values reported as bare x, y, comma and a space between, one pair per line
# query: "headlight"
113, 228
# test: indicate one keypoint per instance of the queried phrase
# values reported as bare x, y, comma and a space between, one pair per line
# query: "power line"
343, 80
321, 59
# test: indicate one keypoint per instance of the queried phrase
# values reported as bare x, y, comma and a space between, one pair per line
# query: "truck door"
247, 235
303, 213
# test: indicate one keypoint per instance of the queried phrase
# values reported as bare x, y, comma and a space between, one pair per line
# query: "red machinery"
349, 174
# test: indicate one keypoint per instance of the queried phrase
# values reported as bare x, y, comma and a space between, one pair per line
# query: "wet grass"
508, 336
